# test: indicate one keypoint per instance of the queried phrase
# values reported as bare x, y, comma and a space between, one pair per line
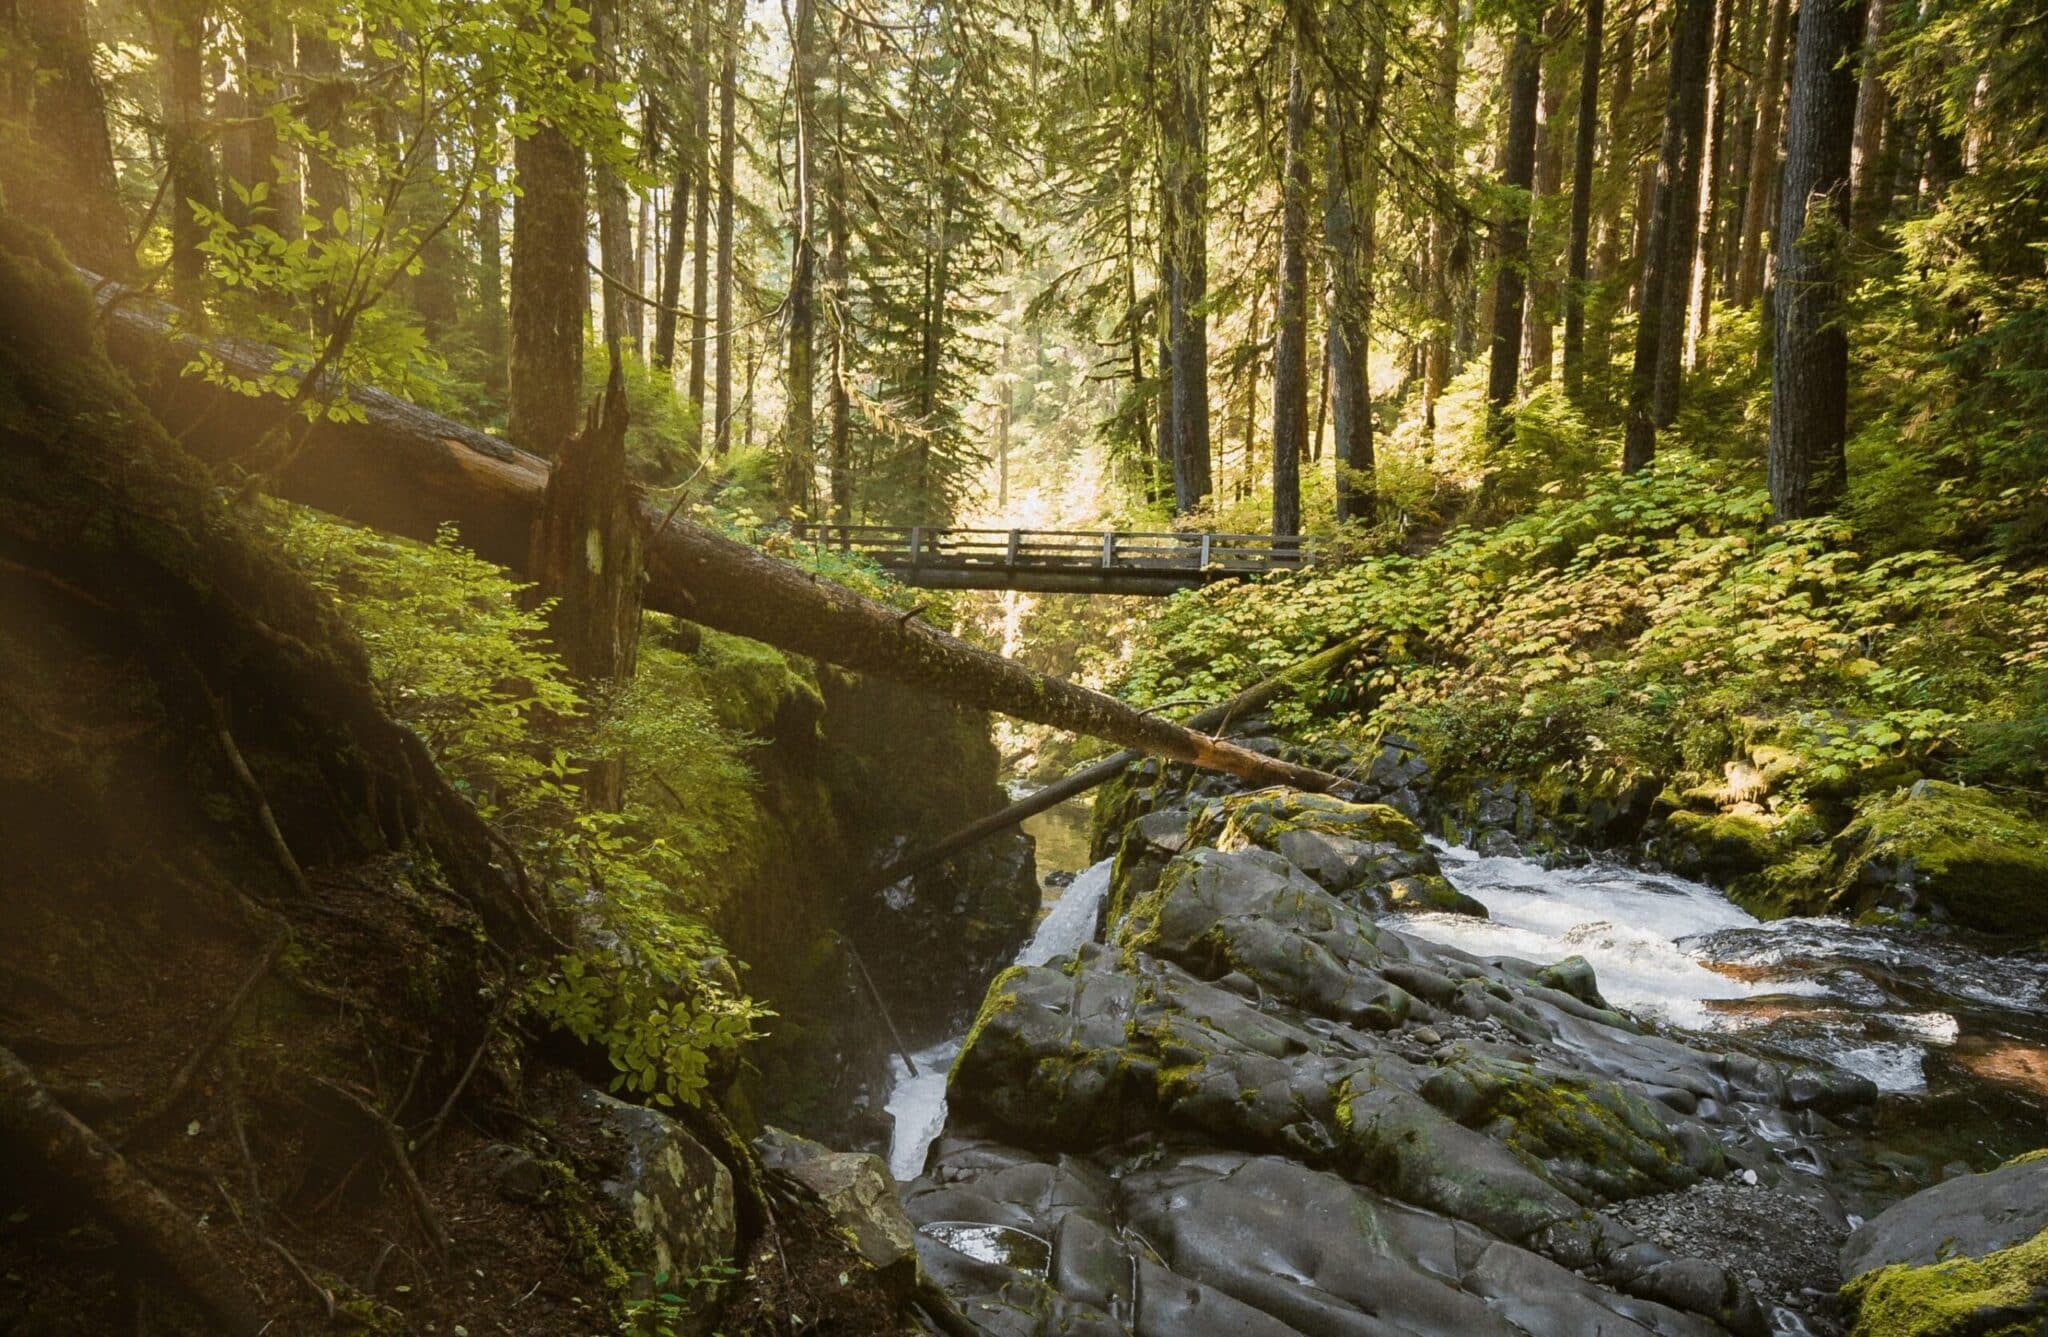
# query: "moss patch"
1983, 863
2004, 1294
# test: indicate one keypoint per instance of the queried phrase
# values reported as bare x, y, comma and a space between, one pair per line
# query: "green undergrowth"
458, 651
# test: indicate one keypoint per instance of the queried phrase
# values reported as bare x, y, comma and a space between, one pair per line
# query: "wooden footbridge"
1061, 561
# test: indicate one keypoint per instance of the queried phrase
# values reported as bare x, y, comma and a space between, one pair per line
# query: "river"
1954, 1034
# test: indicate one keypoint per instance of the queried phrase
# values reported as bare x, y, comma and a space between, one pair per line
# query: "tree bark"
728, 88
1539, 316
408, 471
1579, 244
1290, 323
1185, 181
700, 235
838, 238
672, 260
1700, 276
549, 293
614, 220
1611, 286
1511, 233
1870, 173
69, 186
1667, 251
490, 284
1351, 202
797, 473
1684, 236
1810, 361
188, 156
588, 546
1763, 159
1445, 233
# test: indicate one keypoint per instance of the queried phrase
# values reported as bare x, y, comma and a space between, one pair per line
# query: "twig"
223, 1025
264, 815
394, 1142
433, 1128
326, 1296
377, 1268
906, 619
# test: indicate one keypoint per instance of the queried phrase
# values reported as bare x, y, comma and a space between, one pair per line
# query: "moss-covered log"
398, 467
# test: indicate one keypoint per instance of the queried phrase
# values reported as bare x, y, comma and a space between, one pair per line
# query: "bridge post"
1016, 543
1204, 563
916, 542
1109, 547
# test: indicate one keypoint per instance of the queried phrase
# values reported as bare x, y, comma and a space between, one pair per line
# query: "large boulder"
1968, 1256
678, 1196
858, 1193
1951, 850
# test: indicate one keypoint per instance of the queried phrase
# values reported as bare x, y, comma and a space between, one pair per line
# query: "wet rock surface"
1258, 1105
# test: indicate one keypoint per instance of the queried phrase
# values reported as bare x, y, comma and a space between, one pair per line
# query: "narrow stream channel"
1954, 1034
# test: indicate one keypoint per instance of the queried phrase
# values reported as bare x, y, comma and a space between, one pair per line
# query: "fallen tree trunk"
42, 1138
1214, 719
397, 467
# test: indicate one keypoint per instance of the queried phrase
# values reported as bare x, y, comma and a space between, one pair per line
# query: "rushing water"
1957, 1032
1954, 1032
918, 1103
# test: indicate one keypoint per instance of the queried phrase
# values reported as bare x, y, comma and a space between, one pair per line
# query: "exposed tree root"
394, 1143
43, 1137
223, 1025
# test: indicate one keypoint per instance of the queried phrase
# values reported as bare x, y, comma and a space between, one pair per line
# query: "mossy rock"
1430, 891
2003, 1294
1983, 864
1262, 818
1720, 846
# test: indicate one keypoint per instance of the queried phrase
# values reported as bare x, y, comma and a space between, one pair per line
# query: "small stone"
1428, 1035
514, 1172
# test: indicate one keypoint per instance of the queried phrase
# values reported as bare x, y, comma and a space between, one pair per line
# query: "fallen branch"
1102, 772
407, 471
39, 1135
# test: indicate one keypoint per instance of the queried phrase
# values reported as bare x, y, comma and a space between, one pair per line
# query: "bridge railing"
914, 546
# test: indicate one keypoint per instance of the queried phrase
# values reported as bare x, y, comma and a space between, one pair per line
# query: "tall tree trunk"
1290, 320
614, 226
672, 258
1511, 233
837, 239
267, 52
700, 168
797, 472
1700, 278
326, 98
1763, 159
1350, 203
490, 285
1742, 105
1185, 180
1445, 232
1810, 362
549, 294
188, 156
728, 146
1667, 251
1582, 204
1870, 175
1539, 316
56, 91
1611, 285
1685, 231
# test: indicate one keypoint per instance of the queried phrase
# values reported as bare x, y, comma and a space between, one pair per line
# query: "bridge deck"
1061, 561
